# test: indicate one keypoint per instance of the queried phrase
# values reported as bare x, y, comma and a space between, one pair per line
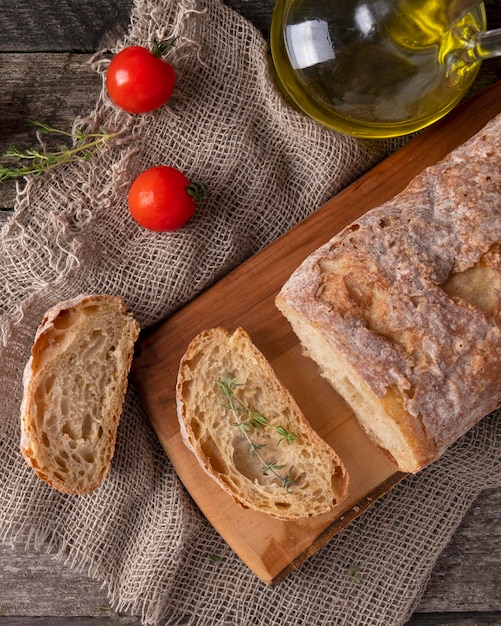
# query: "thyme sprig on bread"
270, 433
253, 420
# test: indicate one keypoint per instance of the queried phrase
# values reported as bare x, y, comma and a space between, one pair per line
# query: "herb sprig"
254, 420
354, 570
35, 162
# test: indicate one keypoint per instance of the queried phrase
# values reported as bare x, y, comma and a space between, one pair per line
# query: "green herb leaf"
242, 427
288, 481
255, 447
215, 558
271, 465
285, 435
33, 162
256, 420
354, 570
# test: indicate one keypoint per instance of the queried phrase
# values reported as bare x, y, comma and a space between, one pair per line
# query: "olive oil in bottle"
375, 68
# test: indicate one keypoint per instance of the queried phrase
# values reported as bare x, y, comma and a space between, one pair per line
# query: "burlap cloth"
266, 167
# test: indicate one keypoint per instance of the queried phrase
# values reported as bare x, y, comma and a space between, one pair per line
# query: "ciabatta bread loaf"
74, 386
401, 310
248, 433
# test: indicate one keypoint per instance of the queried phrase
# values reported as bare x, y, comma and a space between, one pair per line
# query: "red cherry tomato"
162, 198
138, 80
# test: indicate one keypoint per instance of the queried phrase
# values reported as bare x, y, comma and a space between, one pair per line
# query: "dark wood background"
45, 47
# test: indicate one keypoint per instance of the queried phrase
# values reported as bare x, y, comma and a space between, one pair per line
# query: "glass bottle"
379, 68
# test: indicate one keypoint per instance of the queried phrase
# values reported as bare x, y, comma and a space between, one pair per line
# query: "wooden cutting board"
245, 298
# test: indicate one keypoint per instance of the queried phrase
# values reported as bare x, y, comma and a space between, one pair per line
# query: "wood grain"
273, 548
62, 26
464, 588
474, 550
51, 88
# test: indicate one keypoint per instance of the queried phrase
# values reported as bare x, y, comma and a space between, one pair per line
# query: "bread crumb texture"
74, 387
401, 310
262, 452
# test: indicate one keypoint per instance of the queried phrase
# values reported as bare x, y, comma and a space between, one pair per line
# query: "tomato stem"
160, 48
197, 190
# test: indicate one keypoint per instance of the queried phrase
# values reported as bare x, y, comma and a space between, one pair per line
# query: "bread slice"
402, 309
263, 453
74, 386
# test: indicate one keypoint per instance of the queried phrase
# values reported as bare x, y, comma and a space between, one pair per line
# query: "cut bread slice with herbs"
248, 433
74, 387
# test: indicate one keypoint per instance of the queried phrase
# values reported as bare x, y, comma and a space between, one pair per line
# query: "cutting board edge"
465, 115
339, 524
336, 525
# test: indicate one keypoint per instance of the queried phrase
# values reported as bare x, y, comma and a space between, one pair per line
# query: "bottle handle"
485, 45
476, 46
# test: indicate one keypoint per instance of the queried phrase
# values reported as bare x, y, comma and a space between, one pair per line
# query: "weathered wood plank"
62, 26
454, 619
29, 584
87, 25
465, 585
434, 619
58, 87
468, 573
49, 87
54, 88
258, 12
42, 77
467, 579
74, 621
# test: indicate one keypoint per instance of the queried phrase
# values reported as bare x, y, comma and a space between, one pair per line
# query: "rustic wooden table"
44, 50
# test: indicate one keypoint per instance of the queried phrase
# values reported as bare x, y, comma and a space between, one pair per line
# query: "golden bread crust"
209, 430
409, 296
74, 386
